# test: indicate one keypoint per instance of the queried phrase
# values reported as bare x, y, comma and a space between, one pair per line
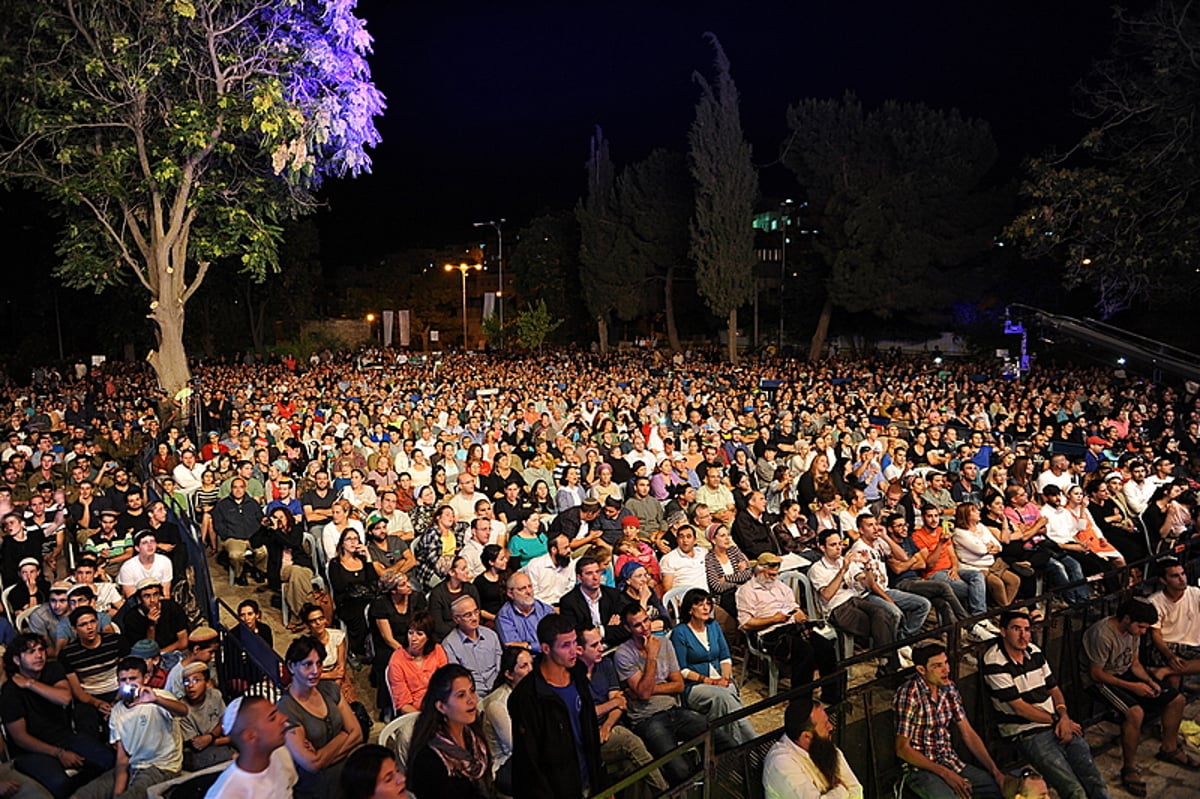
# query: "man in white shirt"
1176, 634
1138, 489
472, 550
551, 573
805, 763
188, 472
264, 769
464, 498
684, 565
148, 565
1056, 475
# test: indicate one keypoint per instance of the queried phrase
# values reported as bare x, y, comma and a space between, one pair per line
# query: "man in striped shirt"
1031, 710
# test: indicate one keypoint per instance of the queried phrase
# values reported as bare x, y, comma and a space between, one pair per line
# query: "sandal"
1179, 757
1037, 615
1132, 781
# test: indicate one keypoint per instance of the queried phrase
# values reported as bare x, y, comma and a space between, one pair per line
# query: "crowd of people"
603, 534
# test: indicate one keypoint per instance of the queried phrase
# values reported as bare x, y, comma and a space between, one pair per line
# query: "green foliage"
545, 262
897, 197
534, 325
492, 329
606, 270
726, 187
655, 201
1120, 211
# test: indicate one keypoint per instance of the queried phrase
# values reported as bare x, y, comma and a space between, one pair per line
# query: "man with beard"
805, 763
551, 573
927, 708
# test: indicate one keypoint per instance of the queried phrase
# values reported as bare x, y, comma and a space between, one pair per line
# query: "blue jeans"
1067, 767
928, 785
913, 610
1064, 569
665, 730
970, 588
47, 770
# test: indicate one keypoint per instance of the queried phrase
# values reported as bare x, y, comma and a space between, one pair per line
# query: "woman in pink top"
410, 668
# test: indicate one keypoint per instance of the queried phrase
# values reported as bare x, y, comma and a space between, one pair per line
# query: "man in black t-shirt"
33, 707
18, 544
318, 501
156, 618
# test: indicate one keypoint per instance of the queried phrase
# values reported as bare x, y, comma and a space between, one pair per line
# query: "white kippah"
229, 718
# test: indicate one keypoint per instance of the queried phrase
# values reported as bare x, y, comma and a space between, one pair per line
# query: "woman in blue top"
706, 665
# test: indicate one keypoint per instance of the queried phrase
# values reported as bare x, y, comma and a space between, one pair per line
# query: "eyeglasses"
469, 614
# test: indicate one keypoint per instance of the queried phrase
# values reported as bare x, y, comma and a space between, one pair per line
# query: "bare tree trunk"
822, 332
669, 309
733, 349
169, 359
602, 332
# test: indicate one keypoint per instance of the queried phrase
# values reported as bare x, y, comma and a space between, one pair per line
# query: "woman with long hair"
726, 567
442, 487
528, 541
448, 756
206, 496
425, 503
812, 481
491, 582
706, 664
542, 498
325, 730
287, 557
354, 583
341, 520
515, 663
371, 772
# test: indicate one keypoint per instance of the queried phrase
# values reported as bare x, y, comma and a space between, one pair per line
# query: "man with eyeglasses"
907, 562
476, 648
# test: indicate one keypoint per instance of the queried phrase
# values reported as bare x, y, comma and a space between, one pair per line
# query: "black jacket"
752, 536
545, 758
574, 607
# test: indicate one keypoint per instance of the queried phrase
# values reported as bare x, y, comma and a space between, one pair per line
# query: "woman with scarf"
448, 756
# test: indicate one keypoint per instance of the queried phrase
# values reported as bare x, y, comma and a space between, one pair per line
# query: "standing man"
927, 707
805, 763
1032, 711
556, 737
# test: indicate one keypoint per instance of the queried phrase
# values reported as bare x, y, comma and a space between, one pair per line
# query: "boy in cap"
202, 648
147, 650
204, 740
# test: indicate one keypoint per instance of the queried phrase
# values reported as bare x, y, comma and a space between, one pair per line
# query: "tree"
174, 133
655, 201
606, 271
1119, 211
898, 198
726, 185
534, 324
545, 262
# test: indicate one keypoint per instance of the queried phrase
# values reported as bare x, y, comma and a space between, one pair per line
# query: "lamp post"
463, 269
497, 225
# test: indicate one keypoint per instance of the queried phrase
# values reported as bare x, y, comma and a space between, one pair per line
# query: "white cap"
229, 717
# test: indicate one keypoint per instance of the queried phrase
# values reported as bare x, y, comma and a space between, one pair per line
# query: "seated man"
647, 667
517, 620
108, 595
927, 707
683, 567
910, 609
161, 620
768, 608
475, 647
147, 564
237, 519
33, 706
841, 586
805, 762
91, 666
143, 729
593, 604
1110, 651
551, 573
1176, 634
45, 618
108, 546
1032, 711
941, 563
202, 648
81, 596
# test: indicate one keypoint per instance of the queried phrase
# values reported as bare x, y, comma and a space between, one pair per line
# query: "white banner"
405, 327
489, 304
388, 319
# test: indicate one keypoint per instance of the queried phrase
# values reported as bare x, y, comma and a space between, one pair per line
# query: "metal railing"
864, 721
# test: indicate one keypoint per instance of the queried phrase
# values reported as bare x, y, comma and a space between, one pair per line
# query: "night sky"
491, 105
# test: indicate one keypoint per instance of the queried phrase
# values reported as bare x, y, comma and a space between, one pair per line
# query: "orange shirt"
927, 539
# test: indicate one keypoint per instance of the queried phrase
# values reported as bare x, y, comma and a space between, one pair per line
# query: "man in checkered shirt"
927, 707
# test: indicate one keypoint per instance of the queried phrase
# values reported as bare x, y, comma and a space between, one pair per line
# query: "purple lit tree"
178, 132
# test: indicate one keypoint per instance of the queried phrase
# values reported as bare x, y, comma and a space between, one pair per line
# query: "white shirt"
330, 536
1060, 525
273, 782
1179, 621
821, 574
1047, 477
549, 581
789, 773
688, 571
1137, 497
187, 479
133, 571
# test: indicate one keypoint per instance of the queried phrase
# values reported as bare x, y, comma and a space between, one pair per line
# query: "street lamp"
497, 225
463, 269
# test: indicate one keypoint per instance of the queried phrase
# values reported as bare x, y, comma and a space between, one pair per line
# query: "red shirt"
927, 539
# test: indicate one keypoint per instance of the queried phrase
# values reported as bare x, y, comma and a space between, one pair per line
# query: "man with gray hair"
476, 648
517, 620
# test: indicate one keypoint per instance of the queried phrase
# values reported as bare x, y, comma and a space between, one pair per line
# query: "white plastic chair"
7, 602
22, 622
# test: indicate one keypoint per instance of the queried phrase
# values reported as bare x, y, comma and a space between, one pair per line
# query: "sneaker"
905, 655
990, 626
981, 633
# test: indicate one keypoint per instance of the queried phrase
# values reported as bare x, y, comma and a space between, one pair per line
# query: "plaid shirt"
926, 722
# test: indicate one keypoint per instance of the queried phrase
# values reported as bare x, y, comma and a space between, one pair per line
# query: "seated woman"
515, 663
325, 729
528, 541
390, 616
355, 585
634, 583
491, 582
333, 666
410, 668
706, 665
726, 568
372, 773
977, 548
448, 758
